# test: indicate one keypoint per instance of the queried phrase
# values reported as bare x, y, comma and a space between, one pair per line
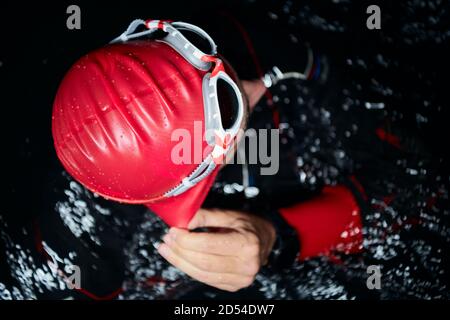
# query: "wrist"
286, 246
267, 237
271, 235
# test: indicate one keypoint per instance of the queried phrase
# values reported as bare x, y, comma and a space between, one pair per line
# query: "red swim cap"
113, 117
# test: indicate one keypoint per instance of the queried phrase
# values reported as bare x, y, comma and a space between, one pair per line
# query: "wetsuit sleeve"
330, 221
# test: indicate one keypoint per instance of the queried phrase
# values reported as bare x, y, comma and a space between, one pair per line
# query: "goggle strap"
203, 170
181, 45
128, 34
190, 27
218, 64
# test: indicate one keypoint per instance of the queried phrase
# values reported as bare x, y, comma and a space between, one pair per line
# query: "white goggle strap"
182, 45
174, 38
199, 31
129, 33
202, 171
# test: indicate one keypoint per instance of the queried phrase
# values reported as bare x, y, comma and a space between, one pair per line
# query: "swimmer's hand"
228, 255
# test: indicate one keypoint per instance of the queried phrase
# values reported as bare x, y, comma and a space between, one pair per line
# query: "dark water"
396, 76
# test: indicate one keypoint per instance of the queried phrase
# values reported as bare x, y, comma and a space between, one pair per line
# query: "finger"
212, 218
232, 243
212, 262
222, 280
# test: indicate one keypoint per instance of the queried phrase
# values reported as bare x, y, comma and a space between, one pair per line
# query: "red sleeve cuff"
329, 222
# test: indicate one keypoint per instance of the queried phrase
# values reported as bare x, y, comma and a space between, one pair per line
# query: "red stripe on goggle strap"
160, 23
223, 143
218, 64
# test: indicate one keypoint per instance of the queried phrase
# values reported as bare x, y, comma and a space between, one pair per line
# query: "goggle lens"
197, 40
228, 103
